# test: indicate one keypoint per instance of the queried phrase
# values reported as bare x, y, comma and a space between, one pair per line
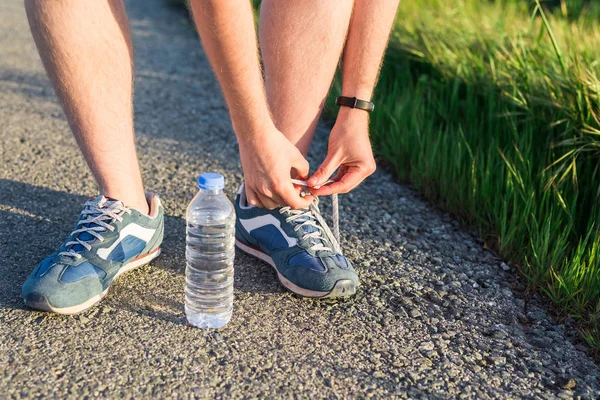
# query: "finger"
292, 198
299, 191
322, 174
278, 189
268, 203
346, 183
252, 198
304, 193
301, 166
277, 199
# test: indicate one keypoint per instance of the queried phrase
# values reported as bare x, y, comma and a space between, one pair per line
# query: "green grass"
491, 109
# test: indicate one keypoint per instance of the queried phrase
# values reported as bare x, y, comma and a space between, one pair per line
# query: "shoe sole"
342, 288
40, 302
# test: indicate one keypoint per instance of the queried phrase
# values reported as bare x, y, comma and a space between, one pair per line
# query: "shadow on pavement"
28, 83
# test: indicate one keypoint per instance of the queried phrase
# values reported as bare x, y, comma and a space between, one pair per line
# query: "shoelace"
313, 212
99, 215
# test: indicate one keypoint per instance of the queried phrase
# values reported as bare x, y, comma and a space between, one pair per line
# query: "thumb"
322, 174
301, 166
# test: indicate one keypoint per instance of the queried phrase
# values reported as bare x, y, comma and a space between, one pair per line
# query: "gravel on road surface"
437, 315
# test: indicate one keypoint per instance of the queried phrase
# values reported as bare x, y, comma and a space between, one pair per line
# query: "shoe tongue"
99, 202
307, 228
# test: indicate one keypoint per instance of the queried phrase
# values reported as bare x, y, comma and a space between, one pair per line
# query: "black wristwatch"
353, 102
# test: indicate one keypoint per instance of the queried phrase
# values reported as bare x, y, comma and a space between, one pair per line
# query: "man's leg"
301, 43
86, 49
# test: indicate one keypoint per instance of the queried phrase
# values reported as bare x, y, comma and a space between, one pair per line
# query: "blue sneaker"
299, 245
109, 239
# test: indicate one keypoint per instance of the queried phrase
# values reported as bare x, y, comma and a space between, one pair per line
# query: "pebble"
570, 385
499, 361
426, 346
537, 315
542, 343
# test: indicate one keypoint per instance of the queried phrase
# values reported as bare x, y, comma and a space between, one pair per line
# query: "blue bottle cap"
211, 181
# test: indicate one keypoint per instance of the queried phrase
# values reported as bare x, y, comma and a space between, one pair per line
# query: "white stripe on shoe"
135, 230
264, 220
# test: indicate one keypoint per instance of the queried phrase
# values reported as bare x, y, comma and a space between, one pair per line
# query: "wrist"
253, 127
360, 92
256, 134
352, 115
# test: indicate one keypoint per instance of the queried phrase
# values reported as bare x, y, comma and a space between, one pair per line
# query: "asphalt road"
437, 316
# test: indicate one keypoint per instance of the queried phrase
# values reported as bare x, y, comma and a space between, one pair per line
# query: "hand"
268, 162
350, 150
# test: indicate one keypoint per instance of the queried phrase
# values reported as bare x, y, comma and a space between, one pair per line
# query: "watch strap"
353, 102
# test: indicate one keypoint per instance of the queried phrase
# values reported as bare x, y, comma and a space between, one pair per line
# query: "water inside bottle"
209, 271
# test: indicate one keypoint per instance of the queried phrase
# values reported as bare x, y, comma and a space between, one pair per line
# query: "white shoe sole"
44, 306
342, 288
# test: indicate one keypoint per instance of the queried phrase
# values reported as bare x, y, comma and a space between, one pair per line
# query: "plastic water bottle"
209, 253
